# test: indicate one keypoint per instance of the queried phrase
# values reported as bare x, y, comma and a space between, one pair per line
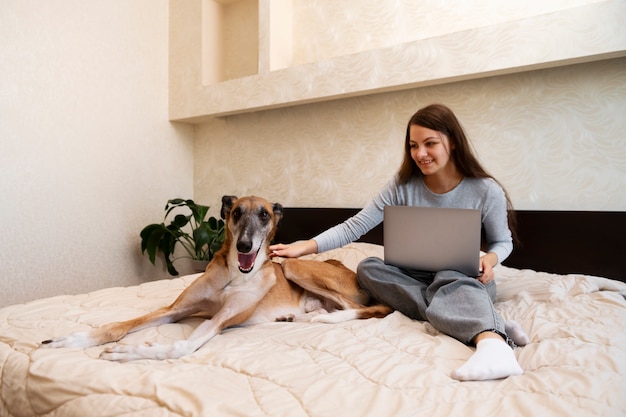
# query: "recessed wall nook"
219, 48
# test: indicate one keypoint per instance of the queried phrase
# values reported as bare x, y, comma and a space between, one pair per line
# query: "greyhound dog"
241, 286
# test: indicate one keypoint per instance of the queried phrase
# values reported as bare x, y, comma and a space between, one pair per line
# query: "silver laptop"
432, 239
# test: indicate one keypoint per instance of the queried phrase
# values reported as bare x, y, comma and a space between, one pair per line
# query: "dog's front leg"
236, 310
112, 332
150, 350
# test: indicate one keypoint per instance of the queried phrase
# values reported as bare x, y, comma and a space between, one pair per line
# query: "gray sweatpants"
453, 303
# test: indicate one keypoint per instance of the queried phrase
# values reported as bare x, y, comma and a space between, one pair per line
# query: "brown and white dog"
241, 286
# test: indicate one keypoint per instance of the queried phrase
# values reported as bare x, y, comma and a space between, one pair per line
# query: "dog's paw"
337, 316
287, 318
124, 353
149, 350
119, 353
78, 339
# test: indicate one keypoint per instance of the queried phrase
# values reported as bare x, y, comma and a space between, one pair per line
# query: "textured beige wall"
554, 137
355, 48
87, 154
330, 28
539, 85
88, 157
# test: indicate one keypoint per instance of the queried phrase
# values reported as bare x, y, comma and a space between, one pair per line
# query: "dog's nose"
244, 246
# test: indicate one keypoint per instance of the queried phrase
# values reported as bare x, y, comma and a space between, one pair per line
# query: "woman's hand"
295, 249
487, 263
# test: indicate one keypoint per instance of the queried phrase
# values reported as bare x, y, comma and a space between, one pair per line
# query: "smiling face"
430, 150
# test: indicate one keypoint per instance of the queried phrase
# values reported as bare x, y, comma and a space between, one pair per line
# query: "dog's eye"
263, 214
237, 213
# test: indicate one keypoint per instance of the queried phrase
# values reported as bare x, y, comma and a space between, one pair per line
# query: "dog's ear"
278, 211
227, 204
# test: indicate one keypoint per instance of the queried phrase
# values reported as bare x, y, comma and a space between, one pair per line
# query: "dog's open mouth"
246, 261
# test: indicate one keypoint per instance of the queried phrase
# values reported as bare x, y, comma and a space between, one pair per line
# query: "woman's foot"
493, 359
516, 333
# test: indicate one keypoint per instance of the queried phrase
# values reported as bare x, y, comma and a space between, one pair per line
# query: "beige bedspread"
575, 364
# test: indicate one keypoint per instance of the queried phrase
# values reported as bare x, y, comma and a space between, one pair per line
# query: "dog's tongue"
246, 260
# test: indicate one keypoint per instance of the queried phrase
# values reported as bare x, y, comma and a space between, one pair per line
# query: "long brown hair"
441, 119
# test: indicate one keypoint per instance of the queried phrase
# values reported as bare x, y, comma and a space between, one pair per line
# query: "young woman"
439, 170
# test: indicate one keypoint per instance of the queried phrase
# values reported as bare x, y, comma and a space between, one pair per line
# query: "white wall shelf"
569, 36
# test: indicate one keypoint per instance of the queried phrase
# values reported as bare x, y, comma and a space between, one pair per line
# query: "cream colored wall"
329, 28
87, 154
555, 138
88, 157
539, 85
373, 46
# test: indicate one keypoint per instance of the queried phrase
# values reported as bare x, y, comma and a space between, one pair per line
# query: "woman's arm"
342, 234
295, 249
496, 224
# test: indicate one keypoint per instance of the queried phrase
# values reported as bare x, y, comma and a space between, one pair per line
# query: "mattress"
574, 365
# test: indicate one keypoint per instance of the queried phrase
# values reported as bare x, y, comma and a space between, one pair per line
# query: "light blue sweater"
483, 194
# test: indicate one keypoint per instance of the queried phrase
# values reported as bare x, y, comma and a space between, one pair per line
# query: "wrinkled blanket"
575, 364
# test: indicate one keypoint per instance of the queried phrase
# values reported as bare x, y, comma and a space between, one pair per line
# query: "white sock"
493, 359
516, 333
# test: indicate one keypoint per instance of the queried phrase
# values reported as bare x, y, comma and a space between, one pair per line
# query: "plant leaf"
198, 210
180, 221
151, 237
213, 224
166, 245
145, 234
172, 204
206, 236
202, 236
170, 269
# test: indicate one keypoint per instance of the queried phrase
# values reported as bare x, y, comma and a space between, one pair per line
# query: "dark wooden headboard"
586, 242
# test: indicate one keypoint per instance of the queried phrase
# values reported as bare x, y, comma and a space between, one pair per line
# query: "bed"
575, 363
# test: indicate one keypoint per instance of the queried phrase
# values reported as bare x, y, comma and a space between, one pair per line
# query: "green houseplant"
200, 236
